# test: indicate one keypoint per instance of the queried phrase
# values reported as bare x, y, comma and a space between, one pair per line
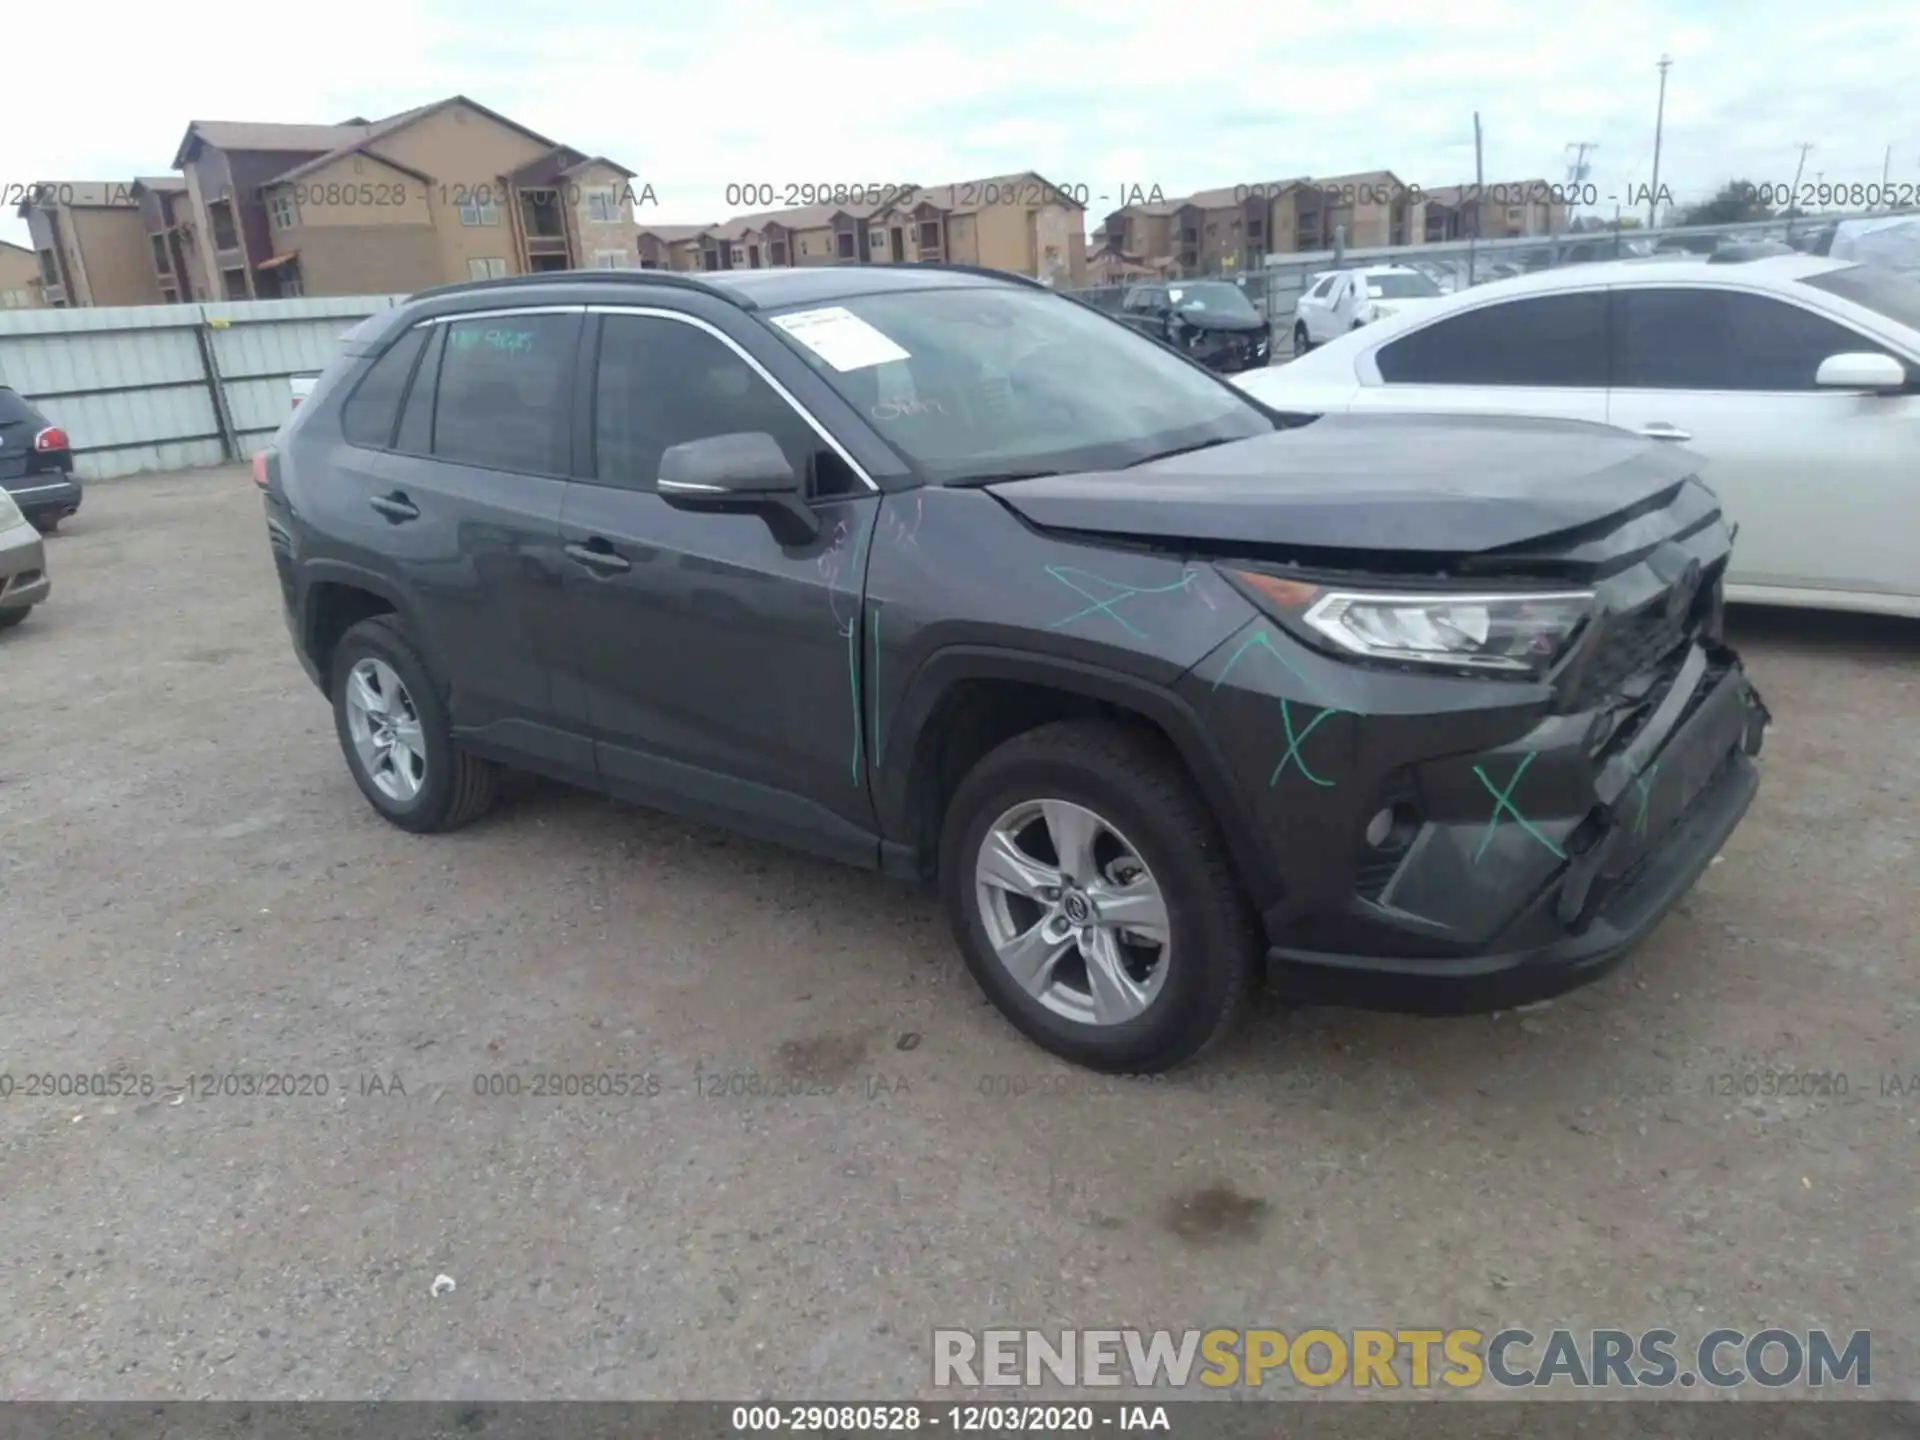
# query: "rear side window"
502, 396
375, 403
14, 410
415, 436
1551, 341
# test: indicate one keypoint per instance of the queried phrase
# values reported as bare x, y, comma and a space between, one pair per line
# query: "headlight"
1522, 633
10, 515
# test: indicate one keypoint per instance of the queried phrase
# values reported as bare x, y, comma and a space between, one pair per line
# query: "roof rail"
670, 278
988, 271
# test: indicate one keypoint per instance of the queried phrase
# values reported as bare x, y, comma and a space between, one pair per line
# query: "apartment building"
1500, 211
166, 212
89, 244
445, 192
1020, 223
1237, 227
19, 278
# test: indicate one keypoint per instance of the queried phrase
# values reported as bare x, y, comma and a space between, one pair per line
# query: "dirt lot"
191, 886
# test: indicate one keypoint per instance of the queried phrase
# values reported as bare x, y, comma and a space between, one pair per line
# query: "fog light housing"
1392, 828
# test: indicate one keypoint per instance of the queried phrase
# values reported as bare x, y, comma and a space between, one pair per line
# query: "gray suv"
939, 573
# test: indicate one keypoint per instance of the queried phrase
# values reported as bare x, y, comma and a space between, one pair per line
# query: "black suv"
937, 572
36, 463
1211, 321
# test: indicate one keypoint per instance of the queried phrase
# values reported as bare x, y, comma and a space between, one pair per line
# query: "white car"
1336, 301
1795, 378
302, 386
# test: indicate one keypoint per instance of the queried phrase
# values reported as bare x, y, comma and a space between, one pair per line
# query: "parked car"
301, 386
1796, 379
36, 463
1336, 301
23, 564
936, 572
1210, 320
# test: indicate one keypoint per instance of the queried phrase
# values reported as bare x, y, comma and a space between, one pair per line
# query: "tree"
1737, 201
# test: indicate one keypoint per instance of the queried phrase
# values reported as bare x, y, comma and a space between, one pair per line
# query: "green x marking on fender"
1643, 787
1503, 802
1295, 739
1294, 743
1065, 573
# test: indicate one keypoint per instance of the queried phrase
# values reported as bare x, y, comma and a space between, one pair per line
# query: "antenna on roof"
357, 120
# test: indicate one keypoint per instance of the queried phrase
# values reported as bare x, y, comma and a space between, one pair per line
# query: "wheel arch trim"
946, 668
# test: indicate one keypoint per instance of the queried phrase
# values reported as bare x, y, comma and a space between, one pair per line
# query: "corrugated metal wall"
160, 387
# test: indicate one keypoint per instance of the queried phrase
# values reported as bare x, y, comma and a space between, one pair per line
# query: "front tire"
1302, 341
395, 734
1090, 892
11, 618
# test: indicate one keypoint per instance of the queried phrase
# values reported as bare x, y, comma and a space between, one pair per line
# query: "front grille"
1640, 642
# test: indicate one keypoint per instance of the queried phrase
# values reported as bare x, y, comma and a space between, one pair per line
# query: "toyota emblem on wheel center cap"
1077, 909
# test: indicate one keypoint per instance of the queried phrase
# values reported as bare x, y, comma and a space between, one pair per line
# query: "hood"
1220, 320
1408, 483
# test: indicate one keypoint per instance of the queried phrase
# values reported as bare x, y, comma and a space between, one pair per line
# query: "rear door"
460, 503
1821, 482
1537, 355
720, 669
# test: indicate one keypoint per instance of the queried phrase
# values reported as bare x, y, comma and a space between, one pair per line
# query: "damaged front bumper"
1513, 868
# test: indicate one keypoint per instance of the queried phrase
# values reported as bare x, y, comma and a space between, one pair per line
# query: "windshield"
1892, 293
1399, 287
1213, 297
967, 383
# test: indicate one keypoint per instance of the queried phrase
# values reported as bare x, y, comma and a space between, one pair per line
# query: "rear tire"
47, 524
1302, 341
11, 618
1177, 999
419, 780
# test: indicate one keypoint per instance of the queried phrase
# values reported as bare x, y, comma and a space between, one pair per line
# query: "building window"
1515, 214
281, 210
737, 255
490, 268
291, 285
610, 260
160, 260
474, 212
236, 284
602, 206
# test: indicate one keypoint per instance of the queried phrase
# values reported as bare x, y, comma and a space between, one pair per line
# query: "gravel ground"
190, 885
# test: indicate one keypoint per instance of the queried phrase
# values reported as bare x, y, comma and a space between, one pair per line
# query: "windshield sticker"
841, 338
905, 409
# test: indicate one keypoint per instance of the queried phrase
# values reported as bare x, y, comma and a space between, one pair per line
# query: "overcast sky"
1101, 93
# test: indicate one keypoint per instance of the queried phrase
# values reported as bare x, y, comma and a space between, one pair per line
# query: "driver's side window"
662, 383
1700, 339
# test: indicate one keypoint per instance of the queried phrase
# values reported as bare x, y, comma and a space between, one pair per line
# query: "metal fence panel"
1275, 287
159, 387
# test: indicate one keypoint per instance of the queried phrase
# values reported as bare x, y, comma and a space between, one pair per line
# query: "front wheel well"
976, 716
333, 608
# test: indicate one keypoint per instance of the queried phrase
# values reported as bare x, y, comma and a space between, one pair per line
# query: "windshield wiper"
1184, 450
977, 482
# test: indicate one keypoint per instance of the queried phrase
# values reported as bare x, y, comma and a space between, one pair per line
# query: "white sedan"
1796, 379
1336, 301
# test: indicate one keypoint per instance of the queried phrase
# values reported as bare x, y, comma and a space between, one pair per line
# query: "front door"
899, 239
1822, 483
719, 669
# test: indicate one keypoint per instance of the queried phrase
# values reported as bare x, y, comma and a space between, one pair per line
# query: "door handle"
396, 507
599, 557
1661, 430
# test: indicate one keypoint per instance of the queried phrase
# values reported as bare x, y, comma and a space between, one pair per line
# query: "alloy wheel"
386, 731
1072, 912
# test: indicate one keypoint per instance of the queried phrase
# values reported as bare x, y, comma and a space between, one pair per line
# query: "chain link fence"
1456, 264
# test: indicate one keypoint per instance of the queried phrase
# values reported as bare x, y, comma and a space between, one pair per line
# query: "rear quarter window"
374, 405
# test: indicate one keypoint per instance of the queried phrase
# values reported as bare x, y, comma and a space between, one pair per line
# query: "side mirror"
1863, 371
742, 473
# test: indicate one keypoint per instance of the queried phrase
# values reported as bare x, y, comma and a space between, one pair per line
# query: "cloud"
1106, 93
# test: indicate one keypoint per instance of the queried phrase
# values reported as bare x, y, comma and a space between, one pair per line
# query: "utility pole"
1793, 197
1577, 172
1659, 124
1479, 197
1886, 169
